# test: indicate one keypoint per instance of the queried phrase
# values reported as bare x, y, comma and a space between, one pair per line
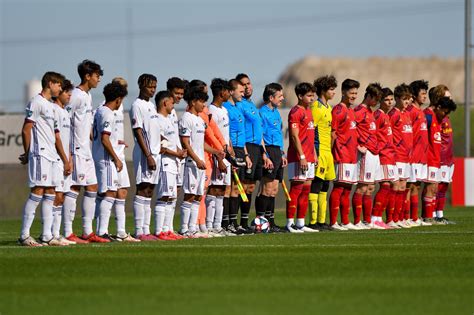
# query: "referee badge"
321, 170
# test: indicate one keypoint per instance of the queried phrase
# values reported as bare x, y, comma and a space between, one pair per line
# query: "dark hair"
349, 84
195, 94
218, 85
53, 77
175, 83
196, 84
270, 90
303, 88
324, 83
240, 76
146, 79
160, 96
373, 90
446, 103
67, 85
386, 92
88, 67
417, 86
114, 90
402, 90
234, 83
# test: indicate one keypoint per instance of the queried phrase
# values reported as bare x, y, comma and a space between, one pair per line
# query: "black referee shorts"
239, 153
255, 152
275, 156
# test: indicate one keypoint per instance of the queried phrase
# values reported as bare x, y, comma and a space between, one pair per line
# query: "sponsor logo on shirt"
423, 126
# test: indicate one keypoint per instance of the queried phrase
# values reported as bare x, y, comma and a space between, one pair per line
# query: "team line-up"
216, 153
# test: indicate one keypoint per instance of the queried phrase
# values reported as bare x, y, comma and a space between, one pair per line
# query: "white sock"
160, 209
138, 213
193, 218
47, 216
69, 211
29, 211
119, 207
88, 211
98, 200
373, 219
210, 210
290, 222
299, 222
105, 209
219, 211
146, 216
57, 215
439, 214
203, 228
185, 215
171, 226
169, 214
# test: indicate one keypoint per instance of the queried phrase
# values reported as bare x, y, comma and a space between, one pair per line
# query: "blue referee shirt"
236, 124
272, 126
253, 122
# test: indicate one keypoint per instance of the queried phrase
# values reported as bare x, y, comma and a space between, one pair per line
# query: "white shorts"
433, 175
219, 178
107, 176
167, 185
42, 172
403, 170
179, 176
63, 183
386, 173
418, 172
122, 177
194, 180
83, 173
295, 172
346, 173
142, 173
445, 173
367, 167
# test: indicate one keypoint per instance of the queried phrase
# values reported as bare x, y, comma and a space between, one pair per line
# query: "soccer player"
146, 154
273, 139
301, 158
368, 162
325, 90
42, 144
83, 175
420, 147
344, 148
107, 163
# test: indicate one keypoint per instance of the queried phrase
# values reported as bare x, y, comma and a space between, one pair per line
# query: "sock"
334, 203
220, 200
171, 227
391, 205
271, 210
210, 210
346, 205
428, 207
88, 211
406, 205
201, 221
244, 211
380, 201
138, 214
169, 214
367, 207
120, 217
29, 211
290, 221
147, 216
313, 201
234, 204
57, 215
441, 196
69, 211
303, 203
261, 205
323, 204
300, 222
296, 189
357, 206
98, 200
159, 216
225, 214
439, 213
47, 216
414, 207
433, 206
105, 210
185, 214
194, 216
397, 214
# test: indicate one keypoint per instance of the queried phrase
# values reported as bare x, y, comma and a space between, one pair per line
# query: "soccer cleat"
404, 224
62, 241
337, 227
126, 238
108, 237
51, 242
362, 226
393, 225
412, 223
93, 238
313, 226
146, 237
293, 229
444, 221
307, 229
322, 227
29, 242
420, 222
377, 225
276, 229
350, 226
78, 240
65, 240
175, 235
429, 220
240, 230
165, 237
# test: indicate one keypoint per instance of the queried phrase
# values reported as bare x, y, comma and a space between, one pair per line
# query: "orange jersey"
212, 135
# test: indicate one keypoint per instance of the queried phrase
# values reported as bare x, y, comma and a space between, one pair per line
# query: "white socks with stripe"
69, 211
88, 211
29, 211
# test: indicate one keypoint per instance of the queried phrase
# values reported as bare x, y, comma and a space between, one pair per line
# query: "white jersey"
174, 118
42, 113
104, 123
120, 148
194, 127
221, 117
169, 163
64, 127
80, 108
143, 115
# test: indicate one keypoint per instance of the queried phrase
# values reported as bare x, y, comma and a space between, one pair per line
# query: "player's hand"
248, 161
284, 162
221, 155
231, 152
151, 162
23, 158
267, 163
201, 165
67, 168
123, 143
118, 165
362, 149
222, 166
304, 165
182, 153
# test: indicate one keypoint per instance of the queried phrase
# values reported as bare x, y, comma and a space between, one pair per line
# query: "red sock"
391, 205
345, 205
367, 208
357, 206
406, 205
303, 202
334, 203
381, 200
295, 191
397, 214
441, 196
414, 207
433, 206
428, 207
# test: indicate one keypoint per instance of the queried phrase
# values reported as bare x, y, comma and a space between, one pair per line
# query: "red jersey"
344, 125
366, 129
384, 138
447, 148
402, 134
302, 119
420, 134
434, 138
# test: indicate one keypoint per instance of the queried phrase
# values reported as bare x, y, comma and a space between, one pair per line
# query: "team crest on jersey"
432, 174
321, 170
353, 125
311, 125
423, 126
372, 126
389, 131
368, 175
437, 136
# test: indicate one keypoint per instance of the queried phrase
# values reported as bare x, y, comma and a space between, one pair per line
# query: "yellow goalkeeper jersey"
322, 123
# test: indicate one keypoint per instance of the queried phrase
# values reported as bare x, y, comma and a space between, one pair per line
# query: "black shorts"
275, 156
255, 152
239, 153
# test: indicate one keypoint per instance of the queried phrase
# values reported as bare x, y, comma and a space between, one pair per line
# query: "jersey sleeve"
217, 133
31, 112
136, 117
185, 126
294, 119
105, 122
336, 117
57, 119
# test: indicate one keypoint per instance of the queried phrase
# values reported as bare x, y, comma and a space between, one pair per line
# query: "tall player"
325, 89
83, 174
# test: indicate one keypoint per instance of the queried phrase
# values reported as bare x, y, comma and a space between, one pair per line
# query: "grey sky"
211, 38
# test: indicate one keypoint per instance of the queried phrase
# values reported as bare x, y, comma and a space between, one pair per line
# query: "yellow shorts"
325, 168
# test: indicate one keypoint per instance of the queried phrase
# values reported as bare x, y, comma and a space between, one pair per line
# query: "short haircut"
417, 86
446, 103
349, 84
234, 83
114, 90
240, 76
67, 85
121, 81
53, 77
270, 90
402, 90
162, 95
196, 84
436, 93
146, 79
324, 83
386, 92
373, 90
88, 67
195, 94
175, 83
303, 88
218, 85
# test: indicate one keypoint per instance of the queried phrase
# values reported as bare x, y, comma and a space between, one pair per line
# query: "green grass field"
425, 270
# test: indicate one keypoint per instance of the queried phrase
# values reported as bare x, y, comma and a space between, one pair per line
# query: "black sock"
244, 211
261, 205
225, 214
271, 209
234, 203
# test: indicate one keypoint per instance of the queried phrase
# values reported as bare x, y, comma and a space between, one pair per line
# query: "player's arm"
167, 151
138, 134
26, 138
187, 145
294, 137
62, 155
247, 158
267, 163
105, 139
